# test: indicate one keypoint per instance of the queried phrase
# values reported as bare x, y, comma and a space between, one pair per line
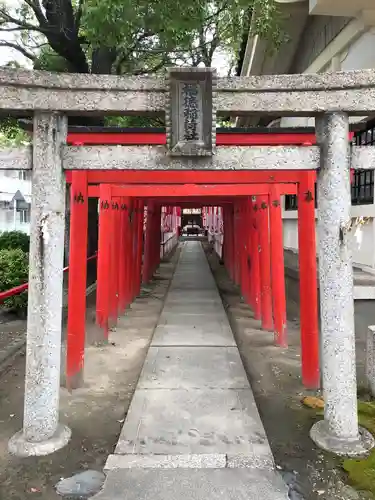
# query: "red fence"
22, 288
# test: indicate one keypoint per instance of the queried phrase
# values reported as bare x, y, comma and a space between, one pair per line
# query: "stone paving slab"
193, 368
199, 320
193, 296
200, 301
194, 308
193, 461
197, 461
208, 335
193, 484
187, 285
193, 429
193, 421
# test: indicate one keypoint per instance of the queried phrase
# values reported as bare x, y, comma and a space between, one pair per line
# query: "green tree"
11, 135
127, 37
123, 36
14, 265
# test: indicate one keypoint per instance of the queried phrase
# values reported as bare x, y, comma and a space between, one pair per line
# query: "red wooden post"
115, 258
236, 244
104, 256
277, 267
255, 261
243, 249
129, 252
223, 252
139, 251
247, 240
133, 268
147, 262
227, 237
123, 233
239, 245
308, 281
265, 264
156, 237
231, 241
77, 280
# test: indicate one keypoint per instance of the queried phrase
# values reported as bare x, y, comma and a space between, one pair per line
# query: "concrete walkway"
193, 430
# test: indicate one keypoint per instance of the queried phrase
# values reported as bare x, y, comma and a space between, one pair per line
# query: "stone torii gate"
191, 99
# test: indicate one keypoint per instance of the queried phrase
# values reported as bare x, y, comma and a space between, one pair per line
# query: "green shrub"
14, 239
14, 269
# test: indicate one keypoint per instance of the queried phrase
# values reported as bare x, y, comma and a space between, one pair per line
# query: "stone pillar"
338, 432
42, 434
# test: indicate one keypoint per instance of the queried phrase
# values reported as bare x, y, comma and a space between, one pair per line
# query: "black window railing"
291, 200
362, 189
363, 180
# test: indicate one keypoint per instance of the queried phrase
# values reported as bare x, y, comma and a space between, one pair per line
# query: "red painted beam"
222, 139
190, 190
190, 176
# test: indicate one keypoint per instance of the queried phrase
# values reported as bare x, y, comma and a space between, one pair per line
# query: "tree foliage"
11, 135
14, 264
123, 36
127, 37
14, 239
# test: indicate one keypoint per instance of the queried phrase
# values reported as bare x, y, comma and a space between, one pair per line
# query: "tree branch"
35, 6
7, 18
20, 49
20, 28
153, 70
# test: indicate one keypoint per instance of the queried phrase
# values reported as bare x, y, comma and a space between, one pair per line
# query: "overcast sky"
7, 54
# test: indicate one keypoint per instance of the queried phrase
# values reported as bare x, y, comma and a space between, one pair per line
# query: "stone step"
193, 484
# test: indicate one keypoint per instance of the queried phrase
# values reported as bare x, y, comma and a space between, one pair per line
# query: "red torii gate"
258, 226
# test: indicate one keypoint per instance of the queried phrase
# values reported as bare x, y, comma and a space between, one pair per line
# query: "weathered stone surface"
190, 113
191, 335
45, 296
191, 368
156, 158
197, 484
352, 91
16, 158
363, 157
81, 486
339, 431
200, 461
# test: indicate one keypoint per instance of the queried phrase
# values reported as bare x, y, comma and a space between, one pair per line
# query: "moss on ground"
361, 472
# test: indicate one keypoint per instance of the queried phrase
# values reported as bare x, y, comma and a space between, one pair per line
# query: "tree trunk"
103, 59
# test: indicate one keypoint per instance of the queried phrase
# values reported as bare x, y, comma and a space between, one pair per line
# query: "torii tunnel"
244, 206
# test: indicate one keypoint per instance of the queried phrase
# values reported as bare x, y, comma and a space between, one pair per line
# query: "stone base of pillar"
21, 448
360, 446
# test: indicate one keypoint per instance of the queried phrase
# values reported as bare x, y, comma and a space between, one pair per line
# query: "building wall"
10, 183
358, 53
363, 242
318, 33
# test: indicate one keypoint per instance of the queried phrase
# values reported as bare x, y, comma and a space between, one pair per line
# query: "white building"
15, 198
324, 35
